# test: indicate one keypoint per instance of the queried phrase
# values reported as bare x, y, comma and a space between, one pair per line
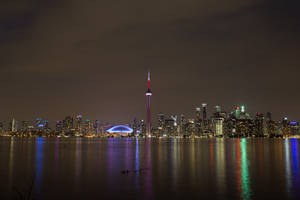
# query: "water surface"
79, 168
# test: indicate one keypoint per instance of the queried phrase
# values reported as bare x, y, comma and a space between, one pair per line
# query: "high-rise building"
294, 127
58, 126
285, 127
198, 121
68, 125
1, 127
14, 125
218, 109
218, 126
148, 95
259, 125
204, 113
218, 121
78, 125
198, 114
268, 116
142, 128
161, 121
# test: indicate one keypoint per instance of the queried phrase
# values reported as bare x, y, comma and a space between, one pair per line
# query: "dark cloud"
62, 57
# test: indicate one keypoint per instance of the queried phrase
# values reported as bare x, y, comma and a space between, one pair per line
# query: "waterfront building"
205, 122
259, 125
218, 122
230, 126
241, 113
237, 112
269, 116
204, 114
142, 128
58, 127
198, 122
78, 125
244, 128
294, 126
2, 129
175, 125
285, 127
135, 126
218, 126
68, 125
13, 126
161, 124
272, 128
182, 124
24, 126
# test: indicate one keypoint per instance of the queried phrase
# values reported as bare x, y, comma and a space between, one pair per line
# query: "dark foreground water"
170, 168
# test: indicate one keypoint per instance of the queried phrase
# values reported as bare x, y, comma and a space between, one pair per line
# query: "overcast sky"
61, 57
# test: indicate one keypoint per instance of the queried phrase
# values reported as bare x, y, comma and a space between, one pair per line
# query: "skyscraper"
198, 121
148, 122
204, 116
204, 111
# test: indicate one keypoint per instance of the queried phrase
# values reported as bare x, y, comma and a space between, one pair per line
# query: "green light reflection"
245, 171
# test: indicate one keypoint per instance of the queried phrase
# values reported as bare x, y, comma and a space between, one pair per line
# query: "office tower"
218, 109
78, 125
142, 128
198, 121
68, 125
242, 109
237, 112
97, 126
148, 122
218, 126
294, 126
218, 122
268, 116
1, 127
58, 126
285, 127
204, 114
259, 125
14, 126
161, 121
198, 114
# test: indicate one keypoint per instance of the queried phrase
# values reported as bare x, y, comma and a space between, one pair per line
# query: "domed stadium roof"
120, 129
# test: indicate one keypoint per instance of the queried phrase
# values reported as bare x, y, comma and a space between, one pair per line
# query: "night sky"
61, 57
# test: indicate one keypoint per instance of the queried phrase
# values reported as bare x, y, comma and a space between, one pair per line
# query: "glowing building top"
148, 92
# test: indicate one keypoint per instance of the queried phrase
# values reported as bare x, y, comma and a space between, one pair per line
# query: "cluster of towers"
69, 126
237, 123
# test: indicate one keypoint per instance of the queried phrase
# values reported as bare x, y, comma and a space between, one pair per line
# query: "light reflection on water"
295, 163
171, 168
246, 194
39, 163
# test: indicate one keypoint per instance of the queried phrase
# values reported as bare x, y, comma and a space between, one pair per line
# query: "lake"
130, 168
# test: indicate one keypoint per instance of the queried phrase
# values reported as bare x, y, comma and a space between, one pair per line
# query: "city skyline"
221, 123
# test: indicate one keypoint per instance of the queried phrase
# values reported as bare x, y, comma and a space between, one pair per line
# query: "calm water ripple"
130, 168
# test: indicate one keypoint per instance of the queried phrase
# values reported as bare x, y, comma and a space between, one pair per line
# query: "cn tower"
148, 122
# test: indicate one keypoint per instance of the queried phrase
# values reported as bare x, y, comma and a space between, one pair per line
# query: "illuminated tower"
148, 122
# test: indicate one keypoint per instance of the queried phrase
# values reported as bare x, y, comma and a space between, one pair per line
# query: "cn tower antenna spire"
149, 79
